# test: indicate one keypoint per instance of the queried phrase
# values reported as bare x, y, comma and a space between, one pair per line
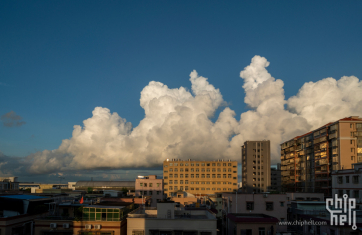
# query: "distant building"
276, 179
308, 160
71, 185
104, 185
168, 219
199, 177
256, 166
9, 183
150, 186
348, 182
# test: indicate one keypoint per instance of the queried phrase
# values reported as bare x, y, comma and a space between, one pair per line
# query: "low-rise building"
9, 183
348, 182
251, 224
168, 220
104, 185
150, 186
17, 212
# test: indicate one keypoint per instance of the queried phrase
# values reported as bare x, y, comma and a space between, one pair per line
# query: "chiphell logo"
345, 214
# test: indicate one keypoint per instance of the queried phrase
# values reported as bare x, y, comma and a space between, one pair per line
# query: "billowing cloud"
11, 119
177, 123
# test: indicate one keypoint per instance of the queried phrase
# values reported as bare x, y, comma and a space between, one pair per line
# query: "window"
269, 206
176, 170
192, 164
192, 169
213, 176
176, 182
202, 164
141, 184
213, 170
139, 232
181, 175
175, 175
145, 193
347, 179
208, 176
340, 193
186, 181
181, 181
170, 182
171, 170
150, 192
249, 206
197, 164
145, 184
182, 170
197, 169
355, 179
181, 164
158, 192
186, 175
175, 164
170, 164
186, 187
202, 175
340, 179
262, 231
281, 203
224, 170
218, 176
224, 175
150, 184
197, 175
356, 193
229, 170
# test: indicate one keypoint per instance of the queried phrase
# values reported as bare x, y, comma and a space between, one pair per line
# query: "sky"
60, 60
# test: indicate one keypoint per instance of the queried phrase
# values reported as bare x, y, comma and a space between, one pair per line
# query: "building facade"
308, 160
348, 182
149, 186
256, 166
168, 220
199, 177
276, 179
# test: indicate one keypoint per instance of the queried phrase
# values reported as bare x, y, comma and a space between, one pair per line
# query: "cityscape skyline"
60, 63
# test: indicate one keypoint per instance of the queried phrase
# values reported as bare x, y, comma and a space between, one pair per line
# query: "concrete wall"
147, 224
152, 182
253, 226
279, 211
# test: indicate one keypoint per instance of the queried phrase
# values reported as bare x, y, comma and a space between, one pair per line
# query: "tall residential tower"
308, 160
256, 166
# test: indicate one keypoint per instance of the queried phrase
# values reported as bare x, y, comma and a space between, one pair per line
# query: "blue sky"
61, 59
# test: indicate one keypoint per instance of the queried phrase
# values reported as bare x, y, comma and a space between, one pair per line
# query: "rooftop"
24, 197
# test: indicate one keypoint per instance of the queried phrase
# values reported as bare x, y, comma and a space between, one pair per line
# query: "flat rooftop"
24, 197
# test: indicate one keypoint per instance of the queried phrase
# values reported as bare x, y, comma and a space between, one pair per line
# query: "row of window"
355, 179
149, 192
350, 193
269, 206
198, 164
150, 184
197, 182
202, 189
202, 176
199, 169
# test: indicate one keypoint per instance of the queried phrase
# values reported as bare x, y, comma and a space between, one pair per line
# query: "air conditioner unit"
65, 225
53, 225
88, 226
97, 226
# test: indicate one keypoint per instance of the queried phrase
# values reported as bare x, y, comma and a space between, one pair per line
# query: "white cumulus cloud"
177, 122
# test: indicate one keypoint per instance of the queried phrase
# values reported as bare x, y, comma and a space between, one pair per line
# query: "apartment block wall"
199, 177
256, 170
150, 186
308, 160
